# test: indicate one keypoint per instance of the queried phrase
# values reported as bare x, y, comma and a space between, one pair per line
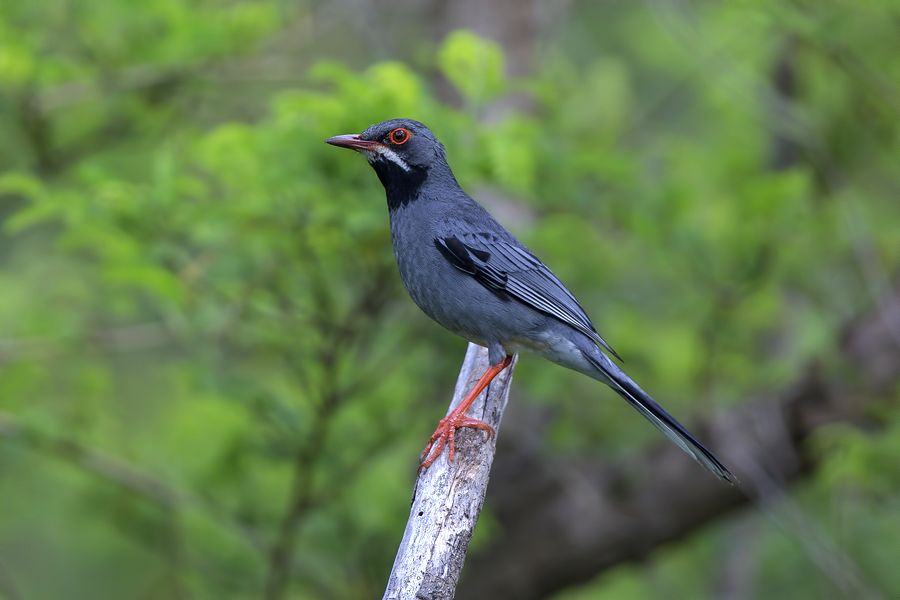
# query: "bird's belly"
557, 343
462, 305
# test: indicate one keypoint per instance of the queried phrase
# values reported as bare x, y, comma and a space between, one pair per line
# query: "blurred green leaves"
474, 65
195, 287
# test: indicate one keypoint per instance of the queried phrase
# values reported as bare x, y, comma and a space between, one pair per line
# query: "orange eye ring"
400, 136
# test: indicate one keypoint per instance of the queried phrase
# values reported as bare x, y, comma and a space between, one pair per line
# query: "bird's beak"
352, 141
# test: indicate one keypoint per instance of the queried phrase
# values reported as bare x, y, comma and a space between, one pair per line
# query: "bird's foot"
445, 435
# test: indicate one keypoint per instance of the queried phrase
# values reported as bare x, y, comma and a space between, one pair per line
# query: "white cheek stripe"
387, 153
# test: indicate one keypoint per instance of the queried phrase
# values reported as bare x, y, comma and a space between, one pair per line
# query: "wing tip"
605, 345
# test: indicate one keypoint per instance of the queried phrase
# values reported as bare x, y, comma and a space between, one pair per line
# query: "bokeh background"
212, 384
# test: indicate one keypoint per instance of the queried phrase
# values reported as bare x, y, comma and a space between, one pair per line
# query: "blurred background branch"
627, 509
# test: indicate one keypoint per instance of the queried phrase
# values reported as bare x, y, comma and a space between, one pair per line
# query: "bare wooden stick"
447, 498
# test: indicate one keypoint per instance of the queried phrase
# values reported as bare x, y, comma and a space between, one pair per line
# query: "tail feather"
657, 415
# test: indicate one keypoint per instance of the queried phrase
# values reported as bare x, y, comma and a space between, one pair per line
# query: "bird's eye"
400, 136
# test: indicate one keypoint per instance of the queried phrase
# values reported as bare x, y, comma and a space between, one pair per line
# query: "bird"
472, 276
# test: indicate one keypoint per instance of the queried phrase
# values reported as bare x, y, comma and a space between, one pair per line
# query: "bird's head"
398, 149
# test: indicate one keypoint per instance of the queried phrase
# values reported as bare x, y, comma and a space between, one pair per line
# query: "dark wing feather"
504, 267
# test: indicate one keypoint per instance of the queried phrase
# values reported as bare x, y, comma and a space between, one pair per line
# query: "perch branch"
447, 499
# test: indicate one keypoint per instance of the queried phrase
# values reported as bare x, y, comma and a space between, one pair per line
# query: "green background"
200, 316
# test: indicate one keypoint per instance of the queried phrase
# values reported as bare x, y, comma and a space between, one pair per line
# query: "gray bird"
468, 273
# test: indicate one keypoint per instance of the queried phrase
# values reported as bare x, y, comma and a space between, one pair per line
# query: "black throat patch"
401, 187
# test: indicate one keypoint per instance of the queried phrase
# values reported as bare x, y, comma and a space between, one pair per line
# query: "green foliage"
200, 314
474, 65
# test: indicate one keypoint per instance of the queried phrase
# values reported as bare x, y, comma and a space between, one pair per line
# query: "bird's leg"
445, 434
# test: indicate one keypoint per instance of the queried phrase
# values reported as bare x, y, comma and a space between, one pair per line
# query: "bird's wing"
505, 267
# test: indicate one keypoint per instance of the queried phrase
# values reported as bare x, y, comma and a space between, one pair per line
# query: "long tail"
657, 415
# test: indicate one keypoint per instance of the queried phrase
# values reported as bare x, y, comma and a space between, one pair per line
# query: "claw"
445, 435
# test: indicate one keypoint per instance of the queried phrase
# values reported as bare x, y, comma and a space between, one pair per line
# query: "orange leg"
445, 434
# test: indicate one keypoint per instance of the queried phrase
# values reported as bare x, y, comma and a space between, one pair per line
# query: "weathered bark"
563, 522
447, 499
